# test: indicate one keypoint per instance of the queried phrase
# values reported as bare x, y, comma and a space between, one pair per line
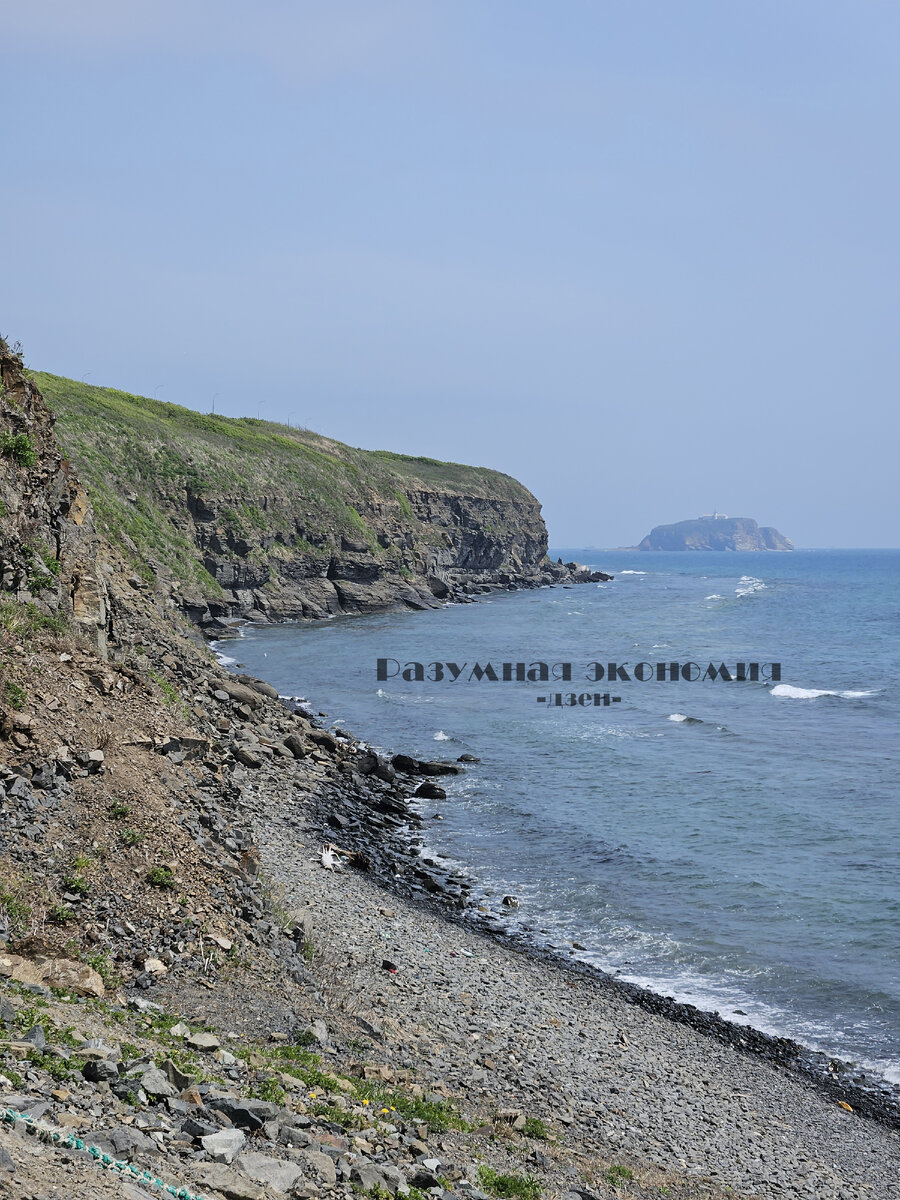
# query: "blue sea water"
735, 845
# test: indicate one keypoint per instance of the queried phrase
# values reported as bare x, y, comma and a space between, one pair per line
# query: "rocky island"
715, 532
229, 966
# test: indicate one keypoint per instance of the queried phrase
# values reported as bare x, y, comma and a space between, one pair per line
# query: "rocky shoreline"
385, 594
626, 1070
563, 1077
225, 955
379, 812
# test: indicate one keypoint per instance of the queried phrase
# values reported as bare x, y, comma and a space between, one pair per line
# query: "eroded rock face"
49, 550
715, 533
434, 545
267, 523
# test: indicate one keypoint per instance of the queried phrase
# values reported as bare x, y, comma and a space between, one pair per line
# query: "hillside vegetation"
157, 471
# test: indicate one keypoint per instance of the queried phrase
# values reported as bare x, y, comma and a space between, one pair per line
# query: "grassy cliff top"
135, 438
145, 464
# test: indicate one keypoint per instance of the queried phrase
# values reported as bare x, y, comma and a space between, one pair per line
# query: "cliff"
175, 959
715, 533
49, 549
132, 765
242, 517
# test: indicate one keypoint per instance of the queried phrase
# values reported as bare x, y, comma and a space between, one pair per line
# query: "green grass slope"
144, 462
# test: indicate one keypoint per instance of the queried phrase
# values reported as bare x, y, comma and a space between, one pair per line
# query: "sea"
731, 842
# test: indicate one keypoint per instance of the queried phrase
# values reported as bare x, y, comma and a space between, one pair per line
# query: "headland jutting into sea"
187, 985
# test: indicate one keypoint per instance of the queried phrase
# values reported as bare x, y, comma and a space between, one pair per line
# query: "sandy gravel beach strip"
500, 1025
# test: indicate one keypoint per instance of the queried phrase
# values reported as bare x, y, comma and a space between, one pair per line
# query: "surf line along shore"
621, 1069
487, 1019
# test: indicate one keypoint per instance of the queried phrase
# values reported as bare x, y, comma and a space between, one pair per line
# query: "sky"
644, 256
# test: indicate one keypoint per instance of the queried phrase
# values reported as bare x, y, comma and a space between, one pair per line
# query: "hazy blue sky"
641, 255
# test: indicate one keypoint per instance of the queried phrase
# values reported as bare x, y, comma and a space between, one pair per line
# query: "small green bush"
14, 694
161, 877
23, 620
171, 695
18, 446
102, 964
535, 1128
509, 1187
57, 1068
434, 1113
269, 1089
15, 907
77, 884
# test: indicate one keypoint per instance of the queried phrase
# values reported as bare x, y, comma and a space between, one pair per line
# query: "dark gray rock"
197, 1129
430, 791
323, 739
430, 767
296, 745
156, 1084
124, 1143
403, 762
101, 1071
36, 1036
245, 1114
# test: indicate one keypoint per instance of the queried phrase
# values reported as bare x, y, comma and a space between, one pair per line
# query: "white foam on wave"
725, 996
715, 596
677, 717
224, 660
632, 572
653, 960
592, 732
440, 736
748, 584
786, 691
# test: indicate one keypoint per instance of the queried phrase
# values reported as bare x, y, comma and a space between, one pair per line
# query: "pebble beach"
495, 1022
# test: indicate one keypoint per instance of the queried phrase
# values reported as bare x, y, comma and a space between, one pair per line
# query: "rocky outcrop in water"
715, 533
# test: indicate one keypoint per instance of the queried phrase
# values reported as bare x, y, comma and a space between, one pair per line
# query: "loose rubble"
186, 990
